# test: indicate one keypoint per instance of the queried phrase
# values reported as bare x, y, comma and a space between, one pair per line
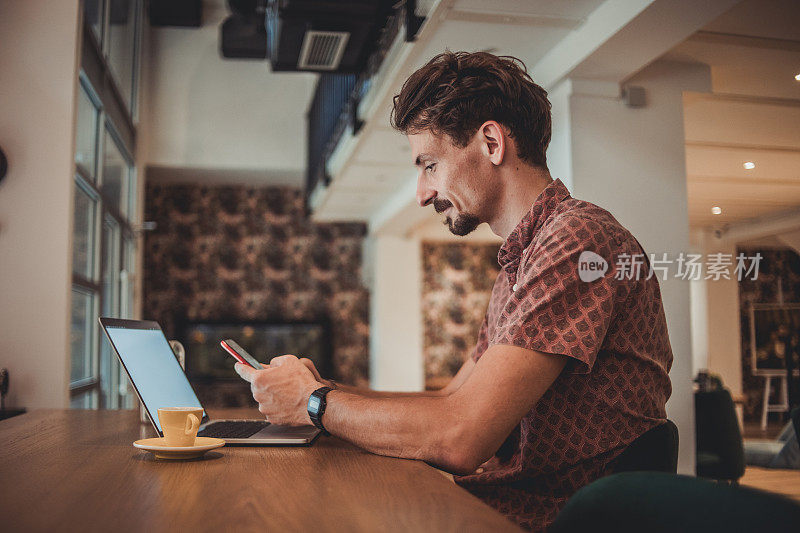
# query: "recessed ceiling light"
716, 210
749, 165
797, 77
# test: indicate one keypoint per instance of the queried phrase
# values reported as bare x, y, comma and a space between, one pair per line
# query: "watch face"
313, 403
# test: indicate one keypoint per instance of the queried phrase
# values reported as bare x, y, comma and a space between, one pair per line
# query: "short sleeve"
567, 293
483, 340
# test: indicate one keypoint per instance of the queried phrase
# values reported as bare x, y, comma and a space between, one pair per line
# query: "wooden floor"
784, 482
752, 430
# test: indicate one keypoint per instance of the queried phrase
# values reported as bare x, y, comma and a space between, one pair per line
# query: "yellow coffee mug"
180, 424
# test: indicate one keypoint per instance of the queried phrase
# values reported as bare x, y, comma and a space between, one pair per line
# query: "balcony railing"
334, 107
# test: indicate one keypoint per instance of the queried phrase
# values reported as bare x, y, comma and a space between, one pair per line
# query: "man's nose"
425, 194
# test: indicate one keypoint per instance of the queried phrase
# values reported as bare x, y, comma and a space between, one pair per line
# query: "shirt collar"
511, 252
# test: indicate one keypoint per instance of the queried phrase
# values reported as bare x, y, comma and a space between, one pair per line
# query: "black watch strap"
317, 403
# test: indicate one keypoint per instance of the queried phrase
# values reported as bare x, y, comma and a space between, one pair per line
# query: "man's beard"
464, 223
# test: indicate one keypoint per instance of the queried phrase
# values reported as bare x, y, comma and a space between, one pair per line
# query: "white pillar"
38, 84
631, 161
720, 326
394, 273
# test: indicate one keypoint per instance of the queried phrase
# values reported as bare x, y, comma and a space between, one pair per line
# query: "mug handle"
192, 423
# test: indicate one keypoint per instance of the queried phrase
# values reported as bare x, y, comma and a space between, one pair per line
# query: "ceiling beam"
743, 146
742, 98
735, 39
621, 37
513, 19
795, 182
777, 224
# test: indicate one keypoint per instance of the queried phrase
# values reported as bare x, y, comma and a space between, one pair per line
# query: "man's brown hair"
456, 92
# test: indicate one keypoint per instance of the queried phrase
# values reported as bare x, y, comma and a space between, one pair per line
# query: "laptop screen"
153, 369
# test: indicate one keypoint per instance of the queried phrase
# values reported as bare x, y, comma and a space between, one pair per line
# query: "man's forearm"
461, 376
412, 427
369, 393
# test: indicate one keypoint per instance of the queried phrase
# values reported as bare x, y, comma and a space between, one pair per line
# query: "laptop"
159, 381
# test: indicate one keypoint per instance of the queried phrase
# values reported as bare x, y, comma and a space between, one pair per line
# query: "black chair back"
655, 451
720, 450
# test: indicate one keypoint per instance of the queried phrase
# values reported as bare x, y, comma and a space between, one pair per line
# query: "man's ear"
493, 141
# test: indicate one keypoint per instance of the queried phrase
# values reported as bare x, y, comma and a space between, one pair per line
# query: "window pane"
87, 400
122, 45
115, 175
93, 17
83, 234
127, 278
111, 267
109, 365
81, 334
133, 194
86, 134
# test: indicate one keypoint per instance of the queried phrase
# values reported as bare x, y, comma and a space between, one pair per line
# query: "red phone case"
234, 354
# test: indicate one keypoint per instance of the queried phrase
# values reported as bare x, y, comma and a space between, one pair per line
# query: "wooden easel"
774, 407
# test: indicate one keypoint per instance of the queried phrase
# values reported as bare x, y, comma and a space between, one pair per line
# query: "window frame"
116, 119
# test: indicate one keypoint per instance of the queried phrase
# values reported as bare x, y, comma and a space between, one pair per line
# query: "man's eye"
430, 167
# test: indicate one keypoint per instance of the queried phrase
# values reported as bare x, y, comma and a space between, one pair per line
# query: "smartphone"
240, 354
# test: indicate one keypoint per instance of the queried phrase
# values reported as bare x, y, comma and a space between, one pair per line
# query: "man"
566, 372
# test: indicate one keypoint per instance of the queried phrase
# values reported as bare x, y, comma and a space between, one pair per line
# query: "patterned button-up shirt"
613, 331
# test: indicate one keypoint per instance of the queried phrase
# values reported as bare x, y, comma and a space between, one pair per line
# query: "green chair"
655, 502
720, 451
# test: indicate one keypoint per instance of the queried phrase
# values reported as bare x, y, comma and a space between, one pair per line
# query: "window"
122, 44
86, 134
82, 336
93, 16
116, 175
104, 205
83, 230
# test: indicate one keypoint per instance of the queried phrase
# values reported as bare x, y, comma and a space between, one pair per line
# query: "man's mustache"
441, 205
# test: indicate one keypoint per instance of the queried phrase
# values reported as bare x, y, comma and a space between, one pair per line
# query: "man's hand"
282, 389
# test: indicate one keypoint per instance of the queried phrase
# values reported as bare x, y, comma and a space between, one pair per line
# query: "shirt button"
514, 288
479, 470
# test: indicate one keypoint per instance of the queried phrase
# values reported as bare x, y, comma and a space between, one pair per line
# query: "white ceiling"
753, 114
206, 119
382, 164
774, 19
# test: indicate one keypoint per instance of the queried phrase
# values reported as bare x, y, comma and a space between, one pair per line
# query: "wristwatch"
316, 407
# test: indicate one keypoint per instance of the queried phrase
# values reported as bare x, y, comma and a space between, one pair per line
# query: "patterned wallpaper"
778, 277
250, 254
456, 285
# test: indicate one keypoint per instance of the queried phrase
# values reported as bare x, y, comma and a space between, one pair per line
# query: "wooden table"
64, 470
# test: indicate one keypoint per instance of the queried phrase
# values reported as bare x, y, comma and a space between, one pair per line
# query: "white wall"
206, 112
559, 153
632, 162
396, 359
716, 325
38, 62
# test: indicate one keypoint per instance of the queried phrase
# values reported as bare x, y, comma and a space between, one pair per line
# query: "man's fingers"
281, 359
246, 372
310, 365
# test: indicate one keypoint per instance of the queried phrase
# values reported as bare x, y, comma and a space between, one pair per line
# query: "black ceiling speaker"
241, 38
3, 165
324, 35
243, 35
180, 13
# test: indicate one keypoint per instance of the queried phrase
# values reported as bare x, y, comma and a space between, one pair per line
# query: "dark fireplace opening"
210, 369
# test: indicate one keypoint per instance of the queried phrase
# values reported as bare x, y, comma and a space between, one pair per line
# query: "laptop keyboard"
234, 429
